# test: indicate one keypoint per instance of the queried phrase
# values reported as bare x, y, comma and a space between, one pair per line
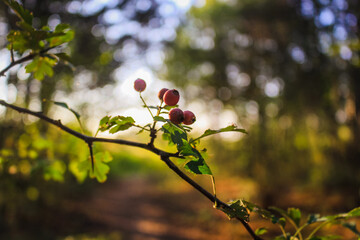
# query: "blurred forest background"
288, 71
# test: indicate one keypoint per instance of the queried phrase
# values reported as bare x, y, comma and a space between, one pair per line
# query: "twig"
207, 194
12, 53
165, 157
21, 60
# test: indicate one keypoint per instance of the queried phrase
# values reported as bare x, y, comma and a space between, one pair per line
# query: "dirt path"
139, 210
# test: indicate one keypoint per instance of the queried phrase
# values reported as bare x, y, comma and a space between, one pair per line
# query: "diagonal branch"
207, 194
165, 157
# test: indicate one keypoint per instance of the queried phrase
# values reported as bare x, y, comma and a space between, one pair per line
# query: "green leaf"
55, 171
20, 11
231, 128
198, 167
41, 66
104, 121
176, 134
166, 107
115, 124
237, 210
61, 27
103, 156
64, 105
101, 169
122, 123
260, 231
61, 37
355, 212
295, 215
159, 119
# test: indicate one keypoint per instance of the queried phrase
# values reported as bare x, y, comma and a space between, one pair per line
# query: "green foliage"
196, 163
231, 128
101, 169
115, 124
24, 14
260, 231
38, 42
238, 210
41, 66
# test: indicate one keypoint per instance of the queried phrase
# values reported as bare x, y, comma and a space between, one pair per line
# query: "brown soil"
139, 209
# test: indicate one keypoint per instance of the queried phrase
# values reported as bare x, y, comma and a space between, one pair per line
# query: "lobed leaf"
41, 66
101, 169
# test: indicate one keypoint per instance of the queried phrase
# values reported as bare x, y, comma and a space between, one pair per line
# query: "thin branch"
91, 156
86, 138
12, 53
21, 60
204, 192
165, 157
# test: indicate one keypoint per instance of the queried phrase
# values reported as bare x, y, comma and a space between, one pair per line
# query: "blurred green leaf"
355, 212
115, 124
295, 215
64, 35
231, 128
55, 171
101, 169
21, 12
159, 119
260, 231
41, 66
64, 105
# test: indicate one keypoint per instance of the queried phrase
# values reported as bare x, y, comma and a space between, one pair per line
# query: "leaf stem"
317, 229
142, 99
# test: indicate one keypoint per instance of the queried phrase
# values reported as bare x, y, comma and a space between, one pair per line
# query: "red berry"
171, 97
176, 116
189, 117
161, 93
139, 85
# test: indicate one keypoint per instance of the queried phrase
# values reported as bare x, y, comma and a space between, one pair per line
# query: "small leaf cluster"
38, 42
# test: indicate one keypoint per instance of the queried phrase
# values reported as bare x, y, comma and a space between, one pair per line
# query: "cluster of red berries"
170, 97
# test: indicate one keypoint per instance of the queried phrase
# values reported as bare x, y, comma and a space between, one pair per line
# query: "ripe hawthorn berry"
176, 115
189, 117
171, 97
139, 85
161, 93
